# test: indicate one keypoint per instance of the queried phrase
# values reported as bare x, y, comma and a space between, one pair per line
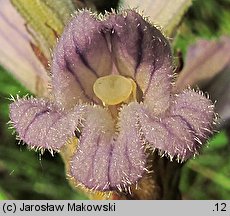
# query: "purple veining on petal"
42, 124
32, 122
169, 135
197, 110
104, 161
157, 97
189, 126
145, 57
128, 150
110, 174
70, 76
139, 57
70, 91
98, 124
75, 75
181, 132
82, 57
82, 48
146, 45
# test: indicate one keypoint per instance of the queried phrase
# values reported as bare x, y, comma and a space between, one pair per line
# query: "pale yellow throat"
115, 89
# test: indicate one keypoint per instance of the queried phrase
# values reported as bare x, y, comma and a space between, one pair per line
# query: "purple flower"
112, 81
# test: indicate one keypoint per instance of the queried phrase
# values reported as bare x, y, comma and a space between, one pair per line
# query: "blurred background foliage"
208, 176
25, 174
